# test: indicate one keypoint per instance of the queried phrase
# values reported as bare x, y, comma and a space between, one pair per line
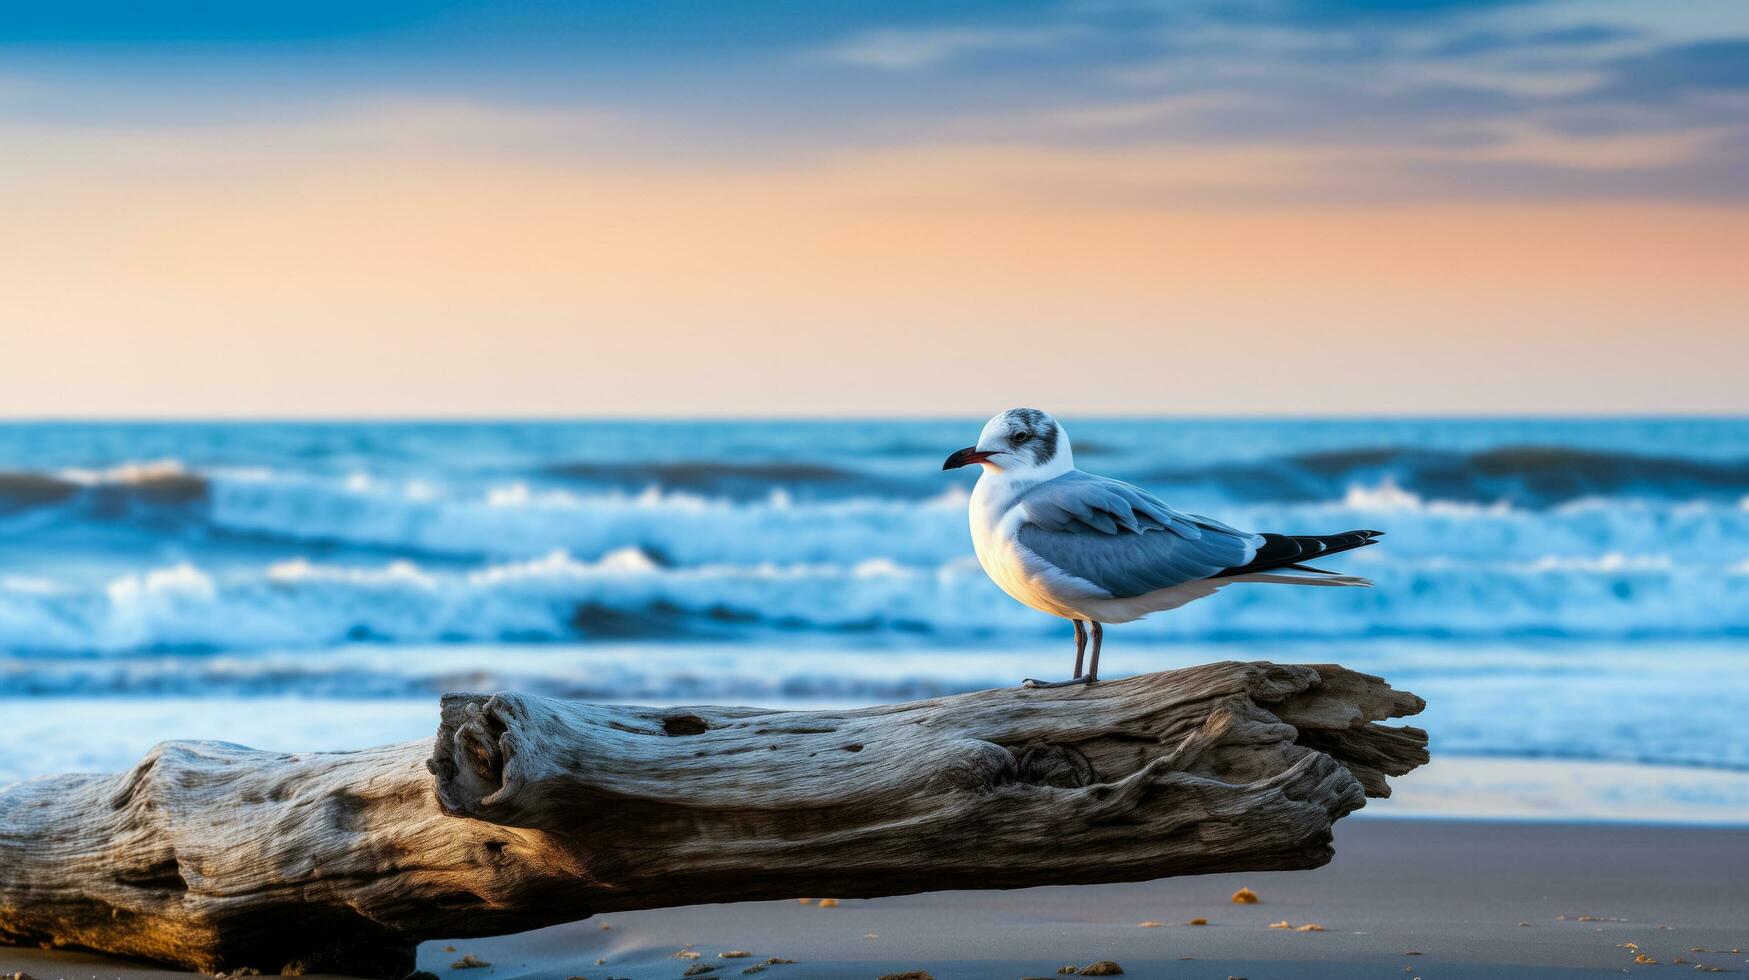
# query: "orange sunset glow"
367, 253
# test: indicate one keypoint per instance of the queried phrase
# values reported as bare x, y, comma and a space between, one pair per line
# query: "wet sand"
1453, 892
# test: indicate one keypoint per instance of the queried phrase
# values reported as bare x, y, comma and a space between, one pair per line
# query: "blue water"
1569, 589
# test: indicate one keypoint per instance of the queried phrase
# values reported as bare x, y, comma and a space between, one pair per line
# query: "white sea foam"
1609, 563
132, 472
29, 585
1387, 497
517, 519
558, 596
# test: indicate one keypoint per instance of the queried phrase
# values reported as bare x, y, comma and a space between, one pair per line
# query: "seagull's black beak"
965, 457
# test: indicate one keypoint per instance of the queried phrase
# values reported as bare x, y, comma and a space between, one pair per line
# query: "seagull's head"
1019, 442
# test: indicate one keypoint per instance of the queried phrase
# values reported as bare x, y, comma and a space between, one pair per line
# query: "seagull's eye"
1020, 437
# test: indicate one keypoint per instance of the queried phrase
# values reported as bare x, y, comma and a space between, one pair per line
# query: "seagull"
1095, 550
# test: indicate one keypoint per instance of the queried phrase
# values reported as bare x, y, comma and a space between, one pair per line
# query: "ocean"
1557, 589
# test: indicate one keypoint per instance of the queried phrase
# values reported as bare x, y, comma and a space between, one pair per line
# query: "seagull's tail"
1297, 576
1279, 559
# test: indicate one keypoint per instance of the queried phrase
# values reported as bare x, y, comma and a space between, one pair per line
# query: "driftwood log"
529, 812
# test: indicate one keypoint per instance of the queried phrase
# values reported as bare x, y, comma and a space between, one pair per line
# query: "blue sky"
771, 77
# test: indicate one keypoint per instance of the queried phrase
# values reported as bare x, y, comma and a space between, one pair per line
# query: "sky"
531, 207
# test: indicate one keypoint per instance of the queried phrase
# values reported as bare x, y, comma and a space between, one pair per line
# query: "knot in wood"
1061, 766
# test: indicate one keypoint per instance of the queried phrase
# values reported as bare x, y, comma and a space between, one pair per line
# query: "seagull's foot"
1083, 679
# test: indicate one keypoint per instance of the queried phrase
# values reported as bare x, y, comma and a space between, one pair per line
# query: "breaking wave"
516, 519
739, 480
298, 513
1522, 476
380, 537
558, 597
106, 491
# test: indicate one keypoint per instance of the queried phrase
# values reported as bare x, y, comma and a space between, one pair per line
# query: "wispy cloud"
1491, 41
903, 50
1463, 99
1697, 69
1447, 100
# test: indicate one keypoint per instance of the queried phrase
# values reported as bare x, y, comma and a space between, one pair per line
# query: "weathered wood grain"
219, 857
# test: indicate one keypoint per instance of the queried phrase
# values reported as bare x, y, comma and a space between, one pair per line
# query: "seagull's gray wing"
1122, 538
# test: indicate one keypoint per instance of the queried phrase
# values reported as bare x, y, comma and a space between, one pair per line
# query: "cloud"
1490, 42
1446, 101
903, 50
1320, 14
1450, 99
1685, 69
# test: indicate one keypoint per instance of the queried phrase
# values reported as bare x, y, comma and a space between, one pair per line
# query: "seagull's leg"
1093, 667
1080, 649
1080, 644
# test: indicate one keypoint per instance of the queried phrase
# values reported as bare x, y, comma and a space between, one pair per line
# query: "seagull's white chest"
1015, 569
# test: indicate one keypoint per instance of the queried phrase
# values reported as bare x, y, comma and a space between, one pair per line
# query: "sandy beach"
1413, 898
